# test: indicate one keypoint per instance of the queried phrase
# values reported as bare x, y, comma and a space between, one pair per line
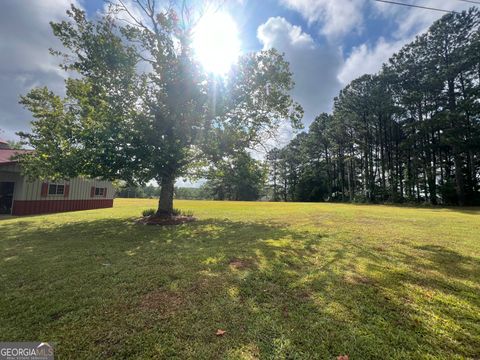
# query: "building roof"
7, 154
4, 144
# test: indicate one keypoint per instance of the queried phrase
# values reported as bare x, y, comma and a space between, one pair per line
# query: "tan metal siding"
79, 189
31, 190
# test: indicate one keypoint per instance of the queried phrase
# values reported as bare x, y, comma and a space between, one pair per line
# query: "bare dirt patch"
303, 295
241, 264
165, 302
207, 285
160, 220
356, 279
380, 248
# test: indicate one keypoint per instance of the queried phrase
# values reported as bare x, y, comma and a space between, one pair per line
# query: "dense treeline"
236, 177
410, 133
151, 191
192, 193
146, 191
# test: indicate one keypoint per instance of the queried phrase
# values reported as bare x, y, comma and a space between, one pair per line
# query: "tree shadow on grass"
111, 288
439, 289
339, 309
467, 210
450, 262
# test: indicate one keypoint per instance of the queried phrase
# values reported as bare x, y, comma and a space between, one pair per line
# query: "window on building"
56, 189
99, 191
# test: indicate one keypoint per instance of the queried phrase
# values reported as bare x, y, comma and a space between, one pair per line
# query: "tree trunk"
165, 204
275, 196
460, 186
455, 124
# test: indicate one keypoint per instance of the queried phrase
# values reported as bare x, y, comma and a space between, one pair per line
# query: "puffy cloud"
412, 21
340, 17
368, 60
337, 17
314, 67
25, 61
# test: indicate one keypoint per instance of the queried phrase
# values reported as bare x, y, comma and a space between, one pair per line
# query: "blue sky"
327, 42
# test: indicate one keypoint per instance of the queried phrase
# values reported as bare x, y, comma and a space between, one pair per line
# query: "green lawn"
285, 281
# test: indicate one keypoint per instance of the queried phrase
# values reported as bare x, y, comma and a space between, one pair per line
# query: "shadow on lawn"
468, 210
278, 292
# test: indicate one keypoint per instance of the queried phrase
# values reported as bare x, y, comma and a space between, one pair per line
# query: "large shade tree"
139, 107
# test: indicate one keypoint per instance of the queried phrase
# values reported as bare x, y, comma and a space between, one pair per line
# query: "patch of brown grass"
241, 264
356, 279
380, 248
304, 295
160, 220
165, 302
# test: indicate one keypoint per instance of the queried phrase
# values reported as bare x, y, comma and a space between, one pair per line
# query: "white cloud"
412, 21
278, 31
25, 61
368, 60
314, 67
335, 17
340, 17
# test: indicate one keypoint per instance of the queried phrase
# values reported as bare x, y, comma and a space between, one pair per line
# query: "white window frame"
57, 187
99, 191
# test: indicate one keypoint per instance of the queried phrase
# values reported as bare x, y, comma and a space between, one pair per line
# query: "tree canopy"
409, 133
139, 107
237, 177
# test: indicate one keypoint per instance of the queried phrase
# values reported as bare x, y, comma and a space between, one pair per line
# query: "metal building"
18, 196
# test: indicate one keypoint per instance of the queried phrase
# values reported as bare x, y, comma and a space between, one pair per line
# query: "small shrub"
188, 213
175, 212
149, 212
178, 212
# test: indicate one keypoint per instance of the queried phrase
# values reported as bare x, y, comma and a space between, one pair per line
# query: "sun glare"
216, 42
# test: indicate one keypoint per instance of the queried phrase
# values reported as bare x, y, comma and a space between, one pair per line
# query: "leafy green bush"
175, 212
178, 212
187, 213
149, 212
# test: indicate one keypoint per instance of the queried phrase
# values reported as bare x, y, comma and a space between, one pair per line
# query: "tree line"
410, 133
152, 191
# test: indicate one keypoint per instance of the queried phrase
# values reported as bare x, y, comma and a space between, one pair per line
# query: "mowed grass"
284, 280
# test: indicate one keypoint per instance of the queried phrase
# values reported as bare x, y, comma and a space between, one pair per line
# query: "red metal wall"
30, 207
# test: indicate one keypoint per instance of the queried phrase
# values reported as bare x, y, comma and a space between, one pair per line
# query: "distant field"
284, 280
